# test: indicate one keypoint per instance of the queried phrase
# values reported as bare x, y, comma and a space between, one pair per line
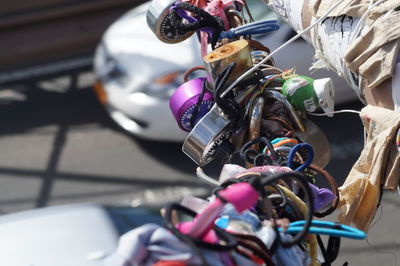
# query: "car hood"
63, 236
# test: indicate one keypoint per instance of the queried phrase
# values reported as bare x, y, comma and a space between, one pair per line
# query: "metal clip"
210, 135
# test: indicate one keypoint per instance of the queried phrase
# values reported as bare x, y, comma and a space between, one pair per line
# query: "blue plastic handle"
257, 27
326, 228
292, 154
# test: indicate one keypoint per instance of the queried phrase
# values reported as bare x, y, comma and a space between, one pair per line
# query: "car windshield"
128, 218
260, 11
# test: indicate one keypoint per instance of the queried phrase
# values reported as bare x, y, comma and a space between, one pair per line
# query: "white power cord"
248, 72
336, 112
209, 180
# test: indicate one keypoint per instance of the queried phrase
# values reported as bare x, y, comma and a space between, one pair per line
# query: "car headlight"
164, 86
107, 67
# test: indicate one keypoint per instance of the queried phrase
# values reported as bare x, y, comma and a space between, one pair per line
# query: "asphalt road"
58, 146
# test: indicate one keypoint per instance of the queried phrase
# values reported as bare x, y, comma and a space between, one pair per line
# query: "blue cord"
257, 27
292, 154
327, 228
274, 141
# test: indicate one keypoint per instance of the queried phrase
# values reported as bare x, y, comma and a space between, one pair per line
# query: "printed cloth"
151, 243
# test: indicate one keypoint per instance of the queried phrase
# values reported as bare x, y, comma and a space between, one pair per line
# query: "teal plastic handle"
327, 228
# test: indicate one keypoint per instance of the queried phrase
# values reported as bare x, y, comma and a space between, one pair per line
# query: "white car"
137, 73
76, 234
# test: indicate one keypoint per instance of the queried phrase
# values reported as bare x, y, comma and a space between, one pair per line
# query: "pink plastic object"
209, 237
241, 195
205, 220
215, 8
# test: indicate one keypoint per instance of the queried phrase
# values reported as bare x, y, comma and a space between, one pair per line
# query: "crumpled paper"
377, 167
373, 54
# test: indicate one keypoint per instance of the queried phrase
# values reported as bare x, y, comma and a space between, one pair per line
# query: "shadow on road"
31, 108
28, 108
